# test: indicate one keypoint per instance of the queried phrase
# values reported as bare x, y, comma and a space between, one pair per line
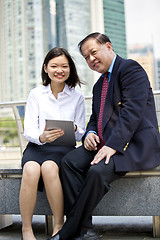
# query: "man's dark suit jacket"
129, 119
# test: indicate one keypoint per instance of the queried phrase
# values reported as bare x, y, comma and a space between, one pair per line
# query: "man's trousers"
84, 185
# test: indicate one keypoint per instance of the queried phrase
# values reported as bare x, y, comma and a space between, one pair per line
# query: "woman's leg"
50, 174
28, 196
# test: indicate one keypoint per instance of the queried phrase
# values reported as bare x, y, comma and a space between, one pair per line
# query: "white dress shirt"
42, 105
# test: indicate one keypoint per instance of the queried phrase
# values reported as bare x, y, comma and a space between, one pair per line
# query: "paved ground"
111, 228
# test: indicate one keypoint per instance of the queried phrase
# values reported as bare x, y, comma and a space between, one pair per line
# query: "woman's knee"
31, 171
49, 169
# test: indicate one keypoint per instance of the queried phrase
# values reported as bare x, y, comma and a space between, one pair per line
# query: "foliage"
8, 131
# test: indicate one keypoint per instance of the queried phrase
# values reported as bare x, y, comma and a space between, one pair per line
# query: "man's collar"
112, 64
111, 67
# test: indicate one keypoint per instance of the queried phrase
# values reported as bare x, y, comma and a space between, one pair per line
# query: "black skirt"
42, 153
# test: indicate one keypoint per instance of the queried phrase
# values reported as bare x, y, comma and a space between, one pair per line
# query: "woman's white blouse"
42, 105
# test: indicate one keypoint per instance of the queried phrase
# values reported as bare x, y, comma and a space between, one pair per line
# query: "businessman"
122, 135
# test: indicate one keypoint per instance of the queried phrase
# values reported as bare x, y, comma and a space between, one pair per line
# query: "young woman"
55, 99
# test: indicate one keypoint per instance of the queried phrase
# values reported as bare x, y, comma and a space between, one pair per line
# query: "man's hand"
50, 135
104, 152
90, 142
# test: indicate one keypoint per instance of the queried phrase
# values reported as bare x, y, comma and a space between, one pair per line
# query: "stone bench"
136, 194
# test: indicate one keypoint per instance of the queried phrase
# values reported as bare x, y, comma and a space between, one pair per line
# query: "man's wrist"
91, 131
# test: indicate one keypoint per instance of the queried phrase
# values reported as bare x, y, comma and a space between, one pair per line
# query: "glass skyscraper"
30, 28
11, 49
72, 24
23, 44
75, 19
114, 25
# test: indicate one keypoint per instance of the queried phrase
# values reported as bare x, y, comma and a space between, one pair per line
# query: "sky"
143, 23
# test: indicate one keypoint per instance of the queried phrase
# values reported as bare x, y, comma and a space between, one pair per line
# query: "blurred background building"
157, 74
30, 28
76, 19
144, 55
23, 40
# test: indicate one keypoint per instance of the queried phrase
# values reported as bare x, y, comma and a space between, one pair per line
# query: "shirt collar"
46, 88
66, 89
112, 64
111, 67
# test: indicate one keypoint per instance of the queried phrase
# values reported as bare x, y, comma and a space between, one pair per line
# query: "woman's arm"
80, 120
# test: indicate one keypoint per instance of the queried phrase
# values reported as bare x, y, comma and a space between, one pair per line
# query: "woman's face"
58, 69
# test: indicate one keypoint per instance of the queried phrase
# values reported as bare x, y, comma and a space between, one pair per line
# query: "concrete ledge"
138, 196
131, 197
5, 221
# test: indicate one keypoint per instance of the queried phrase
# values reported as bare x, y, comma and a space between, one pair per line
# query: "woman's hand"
50, 135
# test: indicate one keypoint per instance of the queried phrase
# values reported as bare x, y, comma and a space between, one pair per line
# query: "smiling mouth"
95, 64
59, 76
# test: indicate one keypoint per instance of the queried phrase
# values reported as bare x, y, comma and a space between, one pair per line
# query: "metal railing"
14, 106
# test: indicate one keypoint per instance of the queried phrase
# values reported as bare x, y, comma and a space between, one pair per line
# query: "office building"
23, 43
72, 24
157, 74
29, 28
144, 55
114, 25
76, 19
157, 87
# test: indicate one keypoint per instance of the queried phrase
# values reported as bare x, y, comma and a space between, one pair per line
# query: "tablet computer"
68, 138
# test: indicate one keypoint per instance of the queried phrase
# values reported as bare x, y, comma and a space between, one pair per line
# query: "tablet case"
68, 138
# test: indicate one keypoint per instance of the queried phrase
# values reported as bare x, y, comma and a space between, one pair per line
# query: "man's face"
98, 56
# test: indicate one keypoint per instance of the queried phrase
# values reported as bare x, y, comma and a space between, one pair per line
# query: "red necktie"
103, 98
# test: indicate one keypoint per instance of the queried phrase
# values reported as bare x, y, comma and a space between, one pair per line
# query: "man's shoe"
90, 234
55, 237
78, 237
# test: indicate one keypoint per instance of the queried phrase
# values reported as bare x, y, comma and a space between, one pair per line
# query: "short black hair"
73, 79
101, 38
